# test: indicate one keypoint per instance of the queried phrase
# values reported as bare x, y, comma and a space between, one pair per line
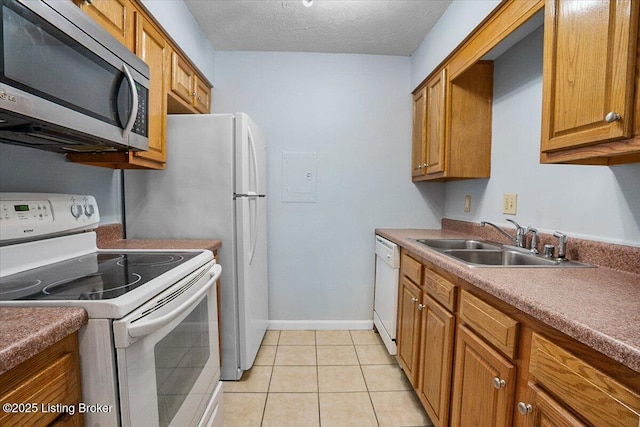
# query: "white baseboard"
320, 324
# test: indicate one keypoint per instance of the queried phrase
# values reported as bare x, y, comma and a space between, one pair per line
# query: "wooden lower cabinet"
596, 397
409, 329
483, 386
436, 357
474, 360
46, 385
541, 410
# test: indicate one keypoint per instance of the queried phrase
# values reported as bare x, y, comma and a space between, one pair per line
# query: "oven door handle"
146, 328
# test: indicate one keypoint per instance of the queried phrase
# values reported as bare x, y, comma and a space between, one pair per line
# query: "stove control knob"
89, 210
76, 210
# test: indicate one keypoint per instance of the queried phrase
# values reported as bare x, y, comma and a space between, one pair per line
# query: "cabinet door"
436, 357
115, 16
409, 328
541, 410
417, 147
483, 386
202, 101
152, 48
589, 69
435, 127
182, 79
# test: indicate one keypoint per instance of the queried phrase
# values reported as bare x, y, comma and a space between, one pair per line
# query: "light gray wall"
29, 170
354, 111
460, 18
595, 202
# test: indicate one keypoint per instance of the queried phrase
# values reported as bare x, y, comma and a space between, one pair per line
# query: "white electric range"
150, 350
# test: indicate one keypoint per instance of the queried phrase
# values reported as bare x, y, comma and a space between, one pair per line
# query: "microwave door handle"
146, 328
134, 106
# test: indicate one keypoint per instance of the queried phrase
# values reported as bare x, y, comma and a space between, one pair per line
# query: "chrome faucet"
520, 232
562, 244
534, 239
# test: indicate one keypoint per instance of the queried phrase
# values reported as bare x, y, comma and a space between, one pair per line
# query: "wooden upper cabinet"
115, 16
152, 48
456, 135
429, 124
182, 78
202, 102
417, 145
435, 125
188, 92
588, 80
175, 83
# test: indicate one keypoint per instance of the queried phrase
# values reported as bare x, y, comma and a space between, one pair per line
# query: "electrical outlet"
509, 203
467, 203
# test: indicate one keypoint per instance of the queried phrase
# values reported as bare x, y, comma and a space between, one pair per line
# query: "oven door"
167, 354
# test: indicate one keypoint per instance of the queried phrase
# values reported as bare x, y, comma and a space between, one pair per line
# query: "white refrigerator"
213, 187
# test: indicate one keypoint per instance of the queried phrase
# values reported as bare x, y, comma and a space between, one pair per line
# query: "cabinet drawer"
598, 398
440, 289
49, 378
411, 268
490, 323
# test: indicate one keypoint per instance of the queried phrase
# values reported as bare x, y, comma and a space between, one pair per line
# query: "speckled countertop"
599, 307
26, 331
211, 245
110, 237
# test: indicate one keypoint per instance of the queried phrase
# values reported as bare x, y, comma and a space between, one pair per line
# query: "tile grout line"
315, 337
266, 398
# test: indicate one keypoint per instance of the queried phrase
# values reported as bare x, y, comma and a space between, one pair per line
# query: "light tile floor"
322, 378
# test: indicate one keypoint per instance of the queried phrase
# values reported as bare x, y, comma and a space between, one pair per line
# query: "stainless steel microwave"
66, 84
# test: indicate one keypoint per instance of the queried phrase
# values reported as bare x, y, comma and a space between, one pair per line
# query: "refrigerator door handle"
252, 146
250, 195
253, 195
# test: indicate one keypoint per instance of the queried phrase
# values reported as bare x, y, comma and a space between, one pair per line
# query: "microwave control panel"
141, 126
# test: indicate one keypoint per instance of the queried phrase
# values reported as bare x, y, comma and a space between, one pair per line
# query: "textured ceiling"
386, 27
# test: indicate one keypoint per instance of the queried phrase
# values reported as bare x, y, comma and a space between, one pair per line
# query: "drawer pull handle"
524, 408
498, 383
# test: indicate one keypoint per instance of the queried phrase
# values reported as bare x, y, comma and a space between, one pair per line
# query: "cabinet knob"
88, 1
611, 117
498, 383
419, 166
421, 306
524, 408
414, 300
193, 94
426, 165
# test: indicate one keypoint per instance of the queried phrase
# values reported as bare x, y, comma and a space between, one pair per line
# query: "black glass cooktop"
95, 276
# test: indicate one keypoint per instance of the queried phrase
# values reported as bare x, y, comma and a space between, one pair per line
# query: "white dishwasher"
385, 307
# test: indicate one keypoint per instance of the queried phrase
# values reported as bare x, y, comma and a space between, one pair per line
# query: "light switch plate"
509, 203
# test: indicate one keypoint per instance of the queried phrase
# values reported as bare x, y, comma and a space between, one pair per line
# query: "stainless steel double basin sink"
479, 253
